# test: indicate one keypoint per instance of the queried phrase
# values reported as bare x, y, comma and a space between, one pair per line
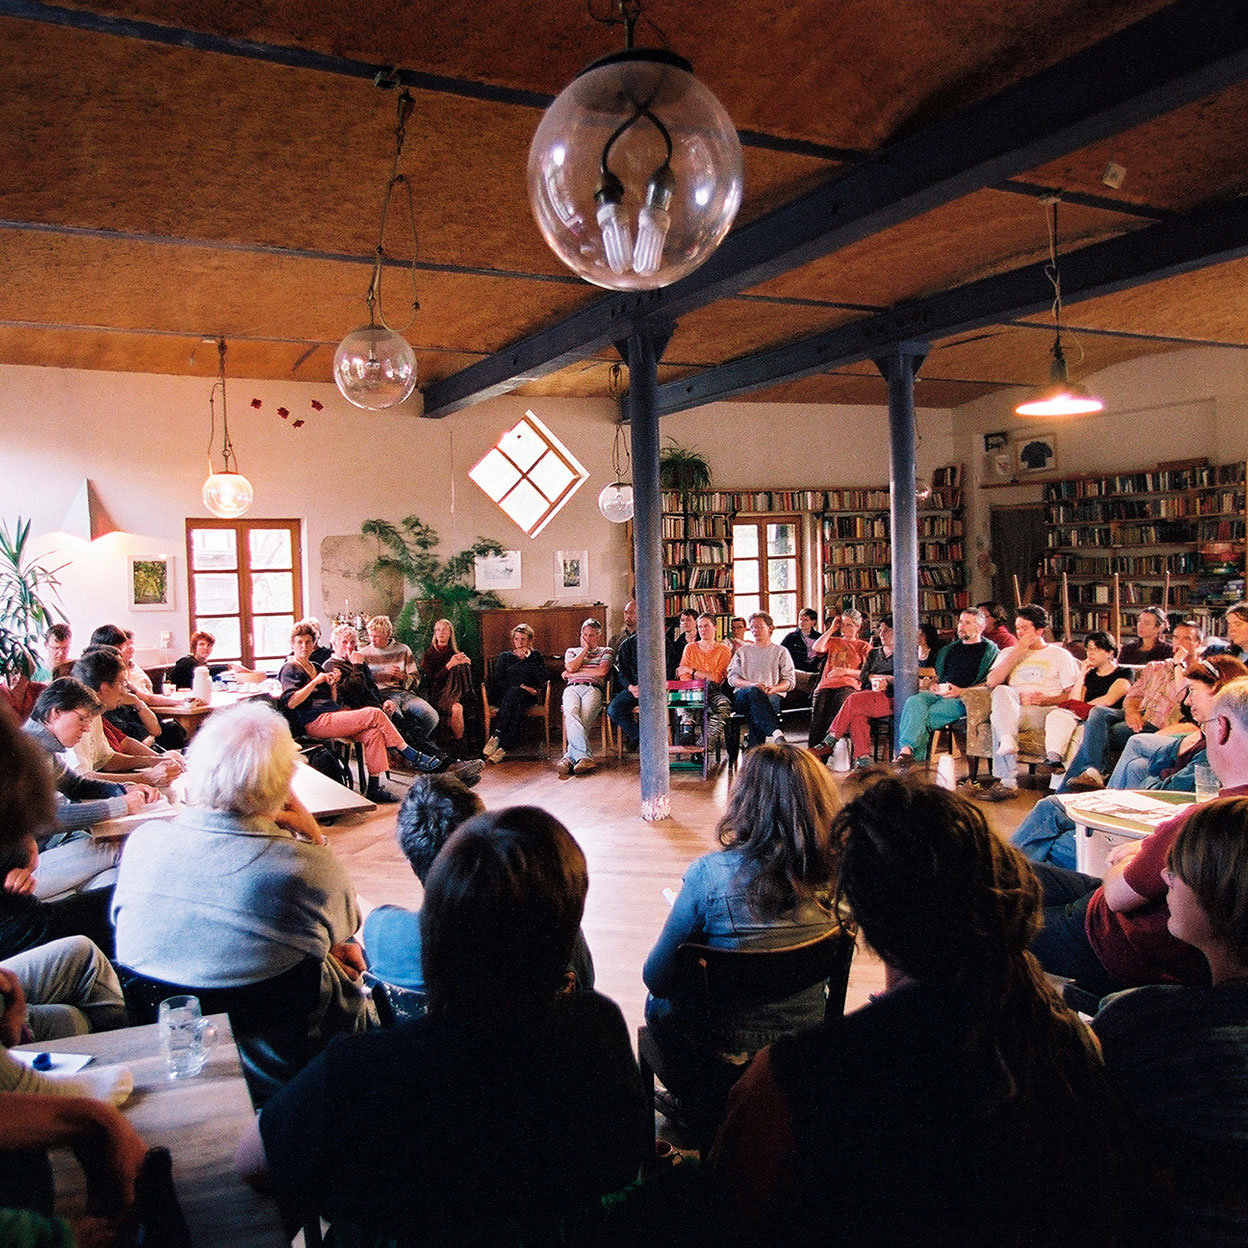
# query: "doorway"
1017, 533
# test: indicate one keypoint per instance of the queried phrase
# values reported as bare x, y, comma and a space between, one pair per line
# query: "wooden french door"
246, 585
767, 567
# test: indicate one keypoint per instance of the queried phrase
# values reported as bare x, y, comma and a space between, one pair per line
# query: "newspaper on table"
1125, 804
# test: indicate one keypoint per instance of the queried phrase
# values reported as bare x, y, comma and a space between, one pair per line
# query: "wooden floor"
630, 861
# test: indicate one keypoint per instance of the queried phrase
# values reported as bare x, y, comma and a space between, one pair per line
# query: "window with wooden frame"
246, 585
767, 567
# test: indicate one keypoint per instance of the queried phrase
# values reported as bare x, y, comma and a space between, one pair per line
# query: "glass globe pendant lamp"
616, 502
375, 366
227, 493
635, 172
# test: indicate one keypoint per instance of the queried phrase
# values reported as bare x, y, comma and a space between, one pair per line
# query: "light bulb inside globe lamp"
616, 502
374, 368
635, 148
227, 494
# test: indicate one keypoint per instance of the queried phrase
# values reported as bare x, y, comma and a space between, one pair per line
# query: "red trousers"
369, 726
854, 718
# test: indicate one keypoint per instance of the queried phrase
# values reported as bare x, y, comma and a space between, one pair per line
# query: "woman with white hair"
241, 886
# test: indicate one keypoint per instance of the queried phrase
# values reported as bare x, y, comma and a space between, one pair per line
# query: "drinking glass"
1207, 784
185, 1036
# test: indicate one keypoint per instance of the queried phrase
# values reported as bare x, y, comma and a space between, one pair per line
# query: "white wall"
141, 440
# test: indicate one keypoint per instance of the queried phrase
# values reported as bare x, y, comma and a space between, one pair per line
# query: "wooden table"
191, 718
324, 797
200, 1121
1097, 831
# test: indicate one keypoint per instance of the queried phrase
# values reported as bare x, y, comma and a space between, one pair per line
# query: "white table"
199, 1120
1109, 817
324, 797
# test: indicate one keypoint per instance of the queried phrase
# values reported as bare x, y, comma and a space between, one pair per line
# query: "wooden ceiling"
174, 172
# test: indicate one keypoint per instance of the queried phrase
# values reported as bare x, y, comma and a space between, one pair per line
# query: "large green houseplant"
441, 588
29, 605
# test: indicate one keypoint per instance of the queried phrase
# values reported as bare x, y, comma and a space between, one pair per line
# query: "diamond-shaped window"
530, 474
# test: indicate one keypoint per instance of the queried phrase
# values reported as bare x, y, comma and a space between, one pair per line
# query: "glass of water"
1207, 784
185, 1036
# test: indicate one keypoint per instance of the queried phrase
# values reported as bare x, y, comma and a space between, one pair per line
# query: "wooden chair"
270, 1018
718, 978
539, 710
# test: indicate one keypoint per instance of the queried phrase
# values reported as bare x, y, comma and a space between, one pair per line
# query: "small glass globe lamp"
228, 494
616, 502
374, 367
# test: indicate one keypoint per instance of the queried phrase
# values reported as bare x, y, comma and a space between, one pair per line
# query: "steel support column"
644, 348
899, 366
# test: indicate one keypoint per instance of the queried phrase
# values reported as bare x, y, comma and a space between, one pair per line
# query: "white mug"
185, 1036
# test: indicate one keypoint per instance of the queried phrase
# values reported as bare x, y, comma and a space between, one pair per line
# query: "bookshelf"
1174, 535
857, 551
697, 553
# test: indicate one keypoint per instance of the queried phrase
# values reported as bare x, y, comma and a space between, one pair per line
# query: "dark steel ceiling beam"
1203, 238
1170, 58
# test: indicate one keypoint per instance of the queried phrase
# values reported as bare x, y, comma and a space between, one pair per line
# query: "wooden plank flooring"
630, 861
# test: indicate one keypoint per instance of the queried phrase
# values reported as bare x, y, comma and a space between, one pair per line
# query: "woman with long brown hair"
965, 1105
770, 885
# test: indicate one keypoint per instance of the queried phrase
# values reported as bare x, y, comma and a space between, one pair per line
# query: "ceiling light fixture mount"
375, 366
670, 163
227, 493
1061, 397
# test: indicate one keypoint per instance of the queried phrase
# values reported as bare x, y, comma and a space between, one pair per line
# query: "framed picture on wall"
149, 582
571, 574
493, 572
1035, 453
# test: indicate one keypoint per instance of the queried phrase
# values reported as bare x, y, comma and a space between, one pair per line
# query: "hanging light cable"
227, 493
375, 366
1061, 397
616, 500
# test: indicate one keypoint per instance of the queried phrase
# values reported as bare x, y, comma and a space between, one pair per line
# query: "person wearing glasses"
1114, 933
1047, 834
1151, 705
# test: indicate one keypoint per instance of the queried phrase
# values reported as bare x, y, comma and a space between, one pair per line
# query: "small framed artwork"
150, 583
497, 571
1035, 453
571, 574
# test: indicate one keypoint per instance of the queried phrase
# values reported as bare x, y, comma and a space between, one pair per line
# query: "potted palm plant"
442, 589
27, 610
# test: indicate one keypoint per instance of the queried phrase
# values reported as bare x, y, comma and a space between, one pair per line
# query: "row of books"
1191, 478
1180, 563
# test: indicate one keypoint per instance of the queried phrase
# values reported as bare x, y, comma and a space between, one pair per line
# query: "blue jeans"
1104, 725
1047, 834
1133, 767
620, 712
761, 710
922, 715
1062, 945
